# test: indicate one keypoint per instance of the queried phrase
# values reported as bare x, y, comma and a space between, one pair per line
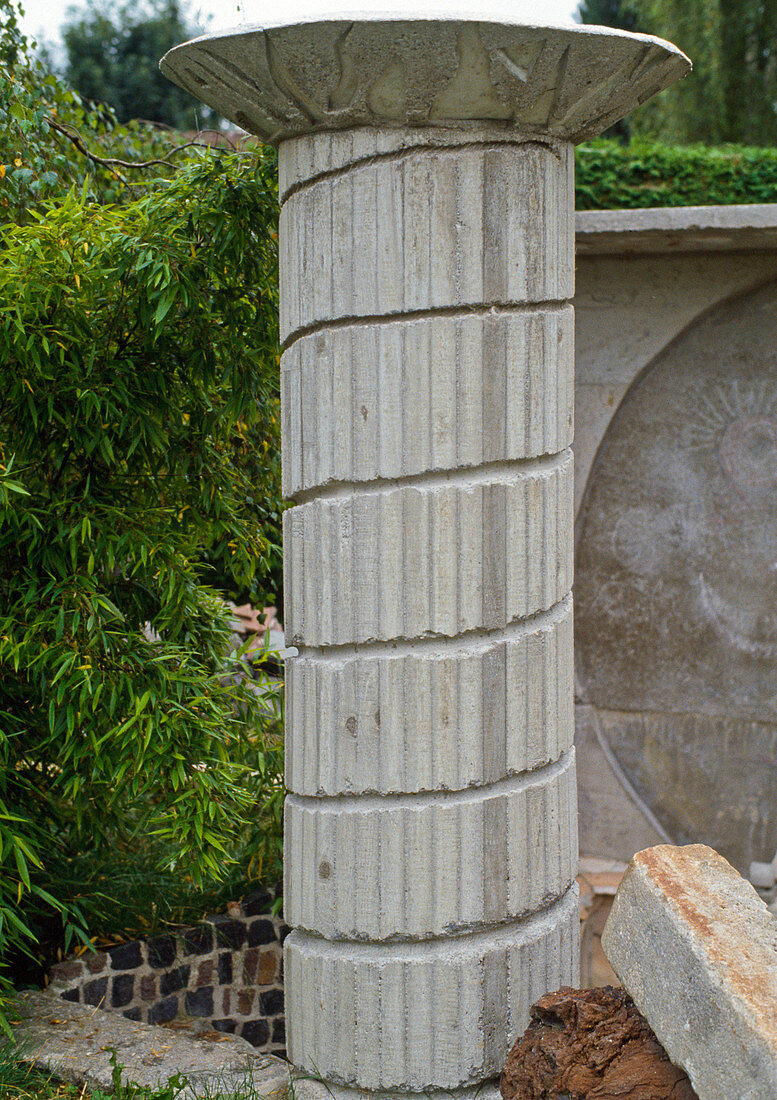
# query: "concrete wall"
676, 530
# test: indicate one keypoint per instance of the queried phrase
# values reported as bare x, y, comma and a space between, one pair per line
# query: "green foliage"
138, 474
607, 13
131, 892
50, 139
19, 1081
611, 176
732, 94
137, 358
113, 58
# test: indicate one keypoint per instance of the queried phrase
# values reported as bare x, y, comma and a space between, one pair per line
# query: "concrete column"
427, 271
427, 391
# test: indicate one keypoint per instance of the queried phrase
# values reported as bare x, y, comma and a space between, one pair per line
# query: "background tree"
731, 96
113, 58
607, 13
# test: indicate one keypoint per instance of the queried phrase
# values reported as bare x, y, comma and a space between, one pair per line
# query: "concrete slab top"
76, 1043
424, 66
745, 228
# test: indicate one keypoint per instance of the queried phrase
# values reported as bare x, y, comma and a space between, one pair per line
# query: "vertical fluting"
427, 411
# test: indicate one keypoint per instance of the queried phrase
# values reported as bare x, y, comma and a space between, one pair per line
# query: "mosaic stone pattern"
225, 973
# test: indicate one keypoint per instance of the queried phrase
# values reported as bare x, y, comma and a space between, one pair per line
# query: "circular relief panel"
676, 589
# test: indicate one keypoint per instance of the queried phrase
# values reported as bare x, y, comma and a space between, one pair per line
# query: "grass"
19, 1081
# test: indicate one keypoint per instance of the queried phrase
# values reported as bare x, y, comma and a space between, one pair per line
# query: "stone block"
122, 990
268, 967
198, 940
75, 1044
487, 856
696, 948
96, 992
205, 972
477, 553
127, 956
164, 1011
174, 980
261, 931
225, 968
161, 952
423, 407
96, 961
439, 718
199, 1002
271, 1002
470, 994
229, 933
414, 65
250, 962
66, 971
148, 987
446, 198
255, 1032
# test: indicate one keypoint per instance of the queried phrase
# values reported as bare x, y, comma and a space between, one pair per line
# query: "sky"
43, 18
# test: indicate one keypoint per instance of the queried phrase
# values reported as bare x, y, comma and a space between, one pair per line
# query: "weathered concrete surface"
430, 825
428, 553
676, 591
74, 1043
409, 66
696, 948
679, 229
426, 272
614, 821
311, 1088
591, 1045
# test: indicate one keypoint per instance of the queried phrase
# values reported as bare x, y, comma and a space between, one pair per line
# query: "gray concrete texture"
431, 888
426, 270
405, 66
76, 1043
696, 948
676, 531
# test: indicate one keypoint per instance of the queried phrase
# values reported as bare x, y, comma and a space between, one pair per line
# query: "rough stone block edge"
76, 1044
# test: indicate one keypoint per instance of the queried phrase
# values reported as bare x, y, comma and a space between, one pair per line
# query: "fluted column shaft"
427, 381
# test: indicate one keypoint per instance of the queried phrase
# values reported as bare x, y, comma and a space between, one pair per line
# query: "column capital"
434, 67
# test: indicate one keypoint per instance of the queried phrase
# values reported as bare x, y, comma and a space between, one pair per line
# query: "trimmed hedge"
611, 176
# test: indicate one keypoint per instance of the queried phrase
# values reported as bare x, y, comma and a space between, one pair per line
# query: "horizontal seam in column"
511, 784
429, 945
472, 309
461, 477
446, 645
412, 150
